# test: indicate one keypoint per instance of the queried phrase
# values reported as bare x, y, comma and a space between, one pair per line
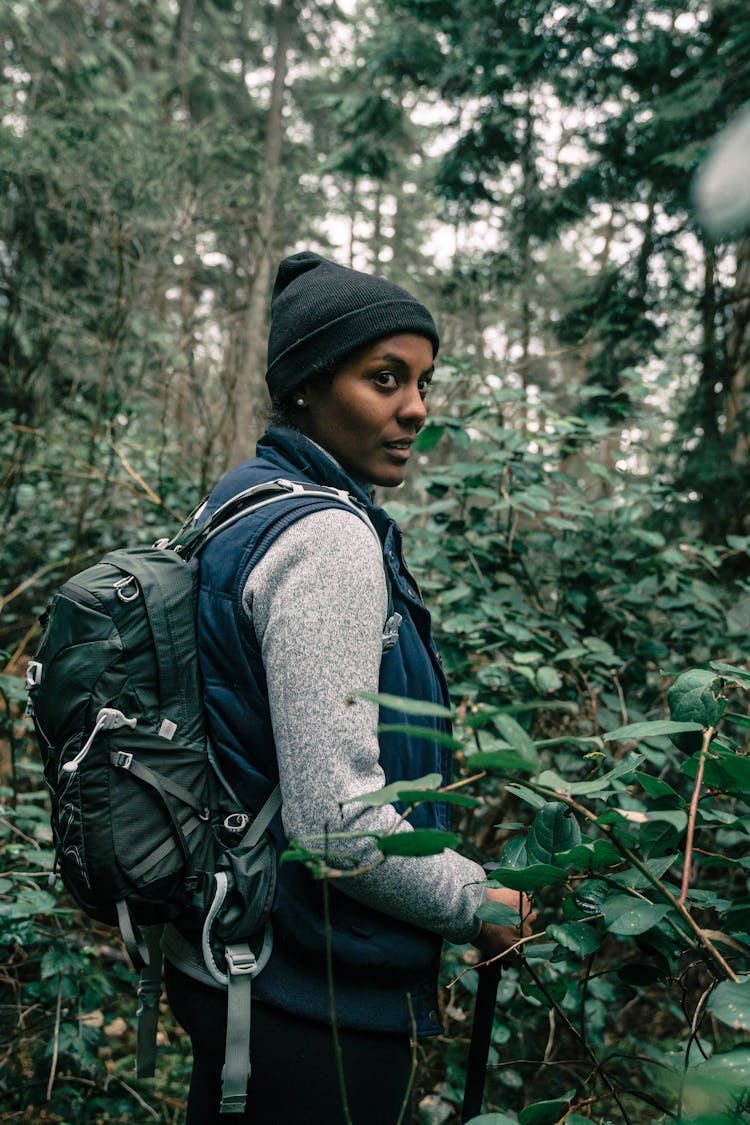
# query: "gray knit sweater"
318, 602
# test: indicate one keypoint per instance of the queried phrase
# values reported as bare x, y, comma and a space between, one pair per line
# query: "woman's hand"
493, 940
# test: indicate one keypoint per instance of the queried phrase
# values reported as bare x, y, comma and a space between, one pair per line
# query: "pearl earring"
300, 402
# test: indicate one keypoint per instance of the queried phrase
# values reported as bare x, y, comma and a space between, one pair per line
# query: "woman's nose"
412, 408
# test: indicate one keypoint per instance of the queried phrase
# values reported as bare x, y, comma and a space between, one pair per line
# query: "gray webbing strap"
132, 937
242, 966
149, 993
263, 819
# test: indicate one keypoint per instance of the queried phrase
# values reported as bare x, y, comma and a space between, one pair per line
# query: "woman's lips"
399, 449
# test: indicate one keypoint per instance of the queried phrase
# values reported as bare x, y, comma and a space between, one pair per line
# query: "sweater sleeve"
318, 603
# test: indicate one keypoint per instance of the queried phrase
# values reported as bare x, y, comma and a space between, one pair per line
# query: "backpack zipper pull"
52, 877
109, 718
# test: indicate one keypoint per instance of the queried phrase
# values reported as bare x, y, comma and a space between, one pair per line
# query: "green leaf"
428, 437
529, 878
729, 773
390, 793
406, 706
422, 841
551, 780
492, 1119
636, 879
697, 696
548, 679
737, 719
429, 734
517, 738
730, 1003
554, 829
28, 904
628, 916
676, 817
411, 796
730, 670
592, 855
503, 760
657, 788
528, 796
547, 1112
579, 937
498, 913
730, 1070
650, 730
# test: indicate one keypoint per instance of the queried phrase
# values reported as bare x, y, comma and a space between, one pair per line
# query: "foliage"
606, 774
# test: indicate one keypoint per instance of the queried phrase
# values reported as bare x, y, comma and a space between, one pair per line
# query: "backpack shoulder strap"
193, 537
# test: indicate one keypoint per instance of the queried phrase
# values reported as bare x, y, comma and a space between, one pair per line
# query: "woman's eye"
385, 379
424, 386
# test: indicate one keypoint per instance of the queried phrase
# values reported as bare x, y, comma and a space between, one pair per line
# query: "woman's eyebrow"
391, 357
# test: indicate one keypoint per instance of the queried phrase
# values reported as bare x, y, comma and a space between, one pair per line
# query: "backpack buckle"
241, 961
122, 759
121, 585
236, 823
34, 674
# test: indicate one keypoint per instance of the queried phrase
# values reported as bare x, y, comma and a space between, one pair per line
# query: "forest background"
581, 517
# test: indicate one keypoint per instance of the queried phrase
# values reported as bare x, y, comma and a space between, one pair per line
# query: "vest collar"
290, 449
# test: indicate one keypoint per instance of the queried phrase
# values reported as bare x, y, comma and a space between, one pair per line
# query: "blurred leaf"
28, 904
406, 706
421, 841
730, 670
449, 797
547, 1112
730, 1003
528, 878
498, 914
390, 793
650, 730
428, 437
551, 780
512, 761
428, 734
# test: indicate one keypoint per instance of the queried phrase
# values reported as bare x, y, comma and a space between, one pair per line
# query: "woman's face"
369, 414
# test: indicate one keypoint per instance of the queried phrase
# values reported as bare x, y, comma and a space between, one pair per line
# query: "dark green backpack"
146, 829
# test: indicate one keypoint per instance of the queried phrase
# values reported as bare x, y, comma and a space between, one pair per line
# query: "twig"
20, 648
332, 1005
550, 1038
700, 1009
621, 697
135, 475
413, 1071
141, 1101
498, 957
55, 1040
707, 736
598, 1066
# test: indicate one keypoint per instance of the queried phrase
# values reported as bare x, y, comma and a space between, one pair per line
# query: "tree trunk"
250, 397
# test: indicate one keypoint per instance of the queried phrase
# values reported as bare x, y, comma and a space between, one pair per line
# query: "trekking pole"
481, 1034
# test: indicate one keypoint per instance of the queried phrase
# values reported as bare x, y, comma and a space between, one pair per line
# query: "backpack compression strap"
242, 966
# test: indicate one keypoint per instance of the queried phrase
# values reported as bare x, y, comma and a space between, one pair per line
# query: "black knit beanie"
321, 311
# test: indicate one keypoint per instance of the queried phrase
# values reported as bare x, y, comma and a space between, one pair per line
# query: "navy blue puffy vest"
378, 961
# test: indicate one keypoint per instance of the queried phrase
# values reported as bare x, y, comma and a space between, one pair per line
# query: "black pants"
294, 1079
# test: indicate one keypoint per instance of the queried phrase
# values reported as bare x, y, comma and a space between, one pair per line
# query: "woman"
301, 608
